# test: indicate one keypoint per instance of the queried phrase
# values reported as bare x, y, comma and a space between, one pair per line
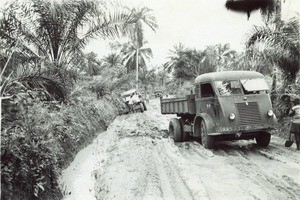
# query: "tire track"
276, 186
170, 175
216, 173
187, 162
243, 159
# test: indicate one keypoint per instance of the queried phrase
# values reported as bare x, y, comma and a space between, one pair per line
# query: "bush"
40, 139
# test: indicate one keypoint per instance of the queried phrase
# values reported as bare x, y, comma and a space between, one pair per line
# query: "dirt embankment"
134, 159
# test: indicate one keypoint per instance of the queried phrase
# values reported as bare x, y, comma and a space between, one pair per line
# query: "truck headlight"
232, 116
270, 113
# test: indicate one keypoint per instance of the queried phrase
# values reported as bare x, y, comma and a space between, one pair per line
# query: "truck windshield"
253, 86
226, 88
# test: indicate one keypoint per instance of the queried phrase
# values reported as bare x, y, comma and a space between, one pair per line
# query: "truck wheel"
185, 135
142, 107
263, 139
175, 130
206, 140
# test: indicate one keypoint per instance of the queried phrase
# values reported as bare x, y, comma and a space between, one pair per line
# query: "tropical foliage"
188, 63
49, 36
280, 43
49, 87
147, 79
136, 52
51, 29
38, 139
132, 55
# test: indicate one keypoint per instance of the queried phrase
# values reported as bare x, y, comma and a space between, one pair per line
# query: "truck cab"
227, 105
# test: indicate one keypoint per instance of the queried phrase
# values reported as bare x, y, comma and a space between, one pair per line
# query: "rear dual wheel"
176, 130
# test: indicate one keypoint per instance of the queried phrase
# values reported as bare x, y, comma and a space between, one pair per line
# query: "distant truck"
137, 105
229, 105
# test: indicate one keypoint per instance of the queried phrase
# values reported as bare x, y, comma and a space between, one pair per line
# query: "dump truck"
228, 105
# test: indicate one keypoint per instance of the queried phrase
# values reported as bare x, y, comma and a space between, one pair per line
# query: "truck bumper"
242, 129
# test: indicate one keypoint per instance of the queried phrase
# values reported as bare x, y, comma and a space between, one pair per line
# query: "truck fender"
210, 125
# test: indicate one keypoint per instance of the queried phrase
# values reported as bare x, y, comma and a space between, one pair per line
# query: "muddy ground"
134, 159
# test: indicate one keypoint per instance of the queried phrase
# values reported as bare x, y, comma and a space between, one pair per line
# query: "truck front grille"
249, 113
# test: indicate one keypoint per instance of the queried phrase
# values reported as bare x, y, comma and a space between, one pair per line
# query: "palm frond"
278, 44
112, 22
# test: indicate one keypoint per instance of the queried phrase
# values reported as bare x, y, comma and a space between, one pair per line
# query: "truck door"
207, 101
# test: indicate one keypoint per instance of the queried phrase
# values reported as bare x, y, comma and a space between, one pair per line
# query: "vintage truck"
229, 105
136, 106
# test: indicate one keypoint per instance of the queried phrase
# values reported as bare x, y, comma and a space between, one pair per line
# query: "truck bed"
185, 105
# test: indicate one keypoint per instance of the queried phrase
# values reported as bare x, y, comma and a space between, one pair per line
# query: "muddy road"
134, 159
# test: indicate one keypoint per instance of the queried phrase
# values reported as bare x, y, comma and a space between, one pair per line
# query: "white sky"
196, 24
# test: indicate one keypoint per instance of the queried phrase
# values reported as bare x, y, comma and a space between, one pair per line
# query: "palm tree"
93, 65
220, 55
189, 63
133, 56
53, 34
194, 62
280, 44
50, 29
137, 35
112, 60
175, 58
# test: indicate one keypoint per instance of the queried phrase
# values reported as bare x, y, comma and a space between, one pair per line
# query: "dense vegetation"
56, 98
40, 138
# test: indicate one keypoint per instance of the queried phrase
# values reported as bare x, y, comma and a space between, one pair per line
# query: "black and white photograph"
150, 99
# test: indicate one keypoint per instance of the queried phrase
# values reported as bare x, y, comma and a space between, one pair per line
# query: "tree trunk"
274, 85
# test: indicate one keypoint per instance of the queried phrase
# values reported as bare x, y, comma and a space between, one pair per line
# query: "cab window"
255, 86
226, 88
206, 90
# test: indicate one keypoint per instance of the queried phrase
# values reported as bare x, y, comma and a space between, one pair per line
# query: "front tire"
263, 139
206, 140
175, 130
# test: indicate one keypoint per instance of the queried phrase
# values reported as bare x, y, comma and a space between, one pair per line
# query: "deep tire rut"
170, 174
134, 159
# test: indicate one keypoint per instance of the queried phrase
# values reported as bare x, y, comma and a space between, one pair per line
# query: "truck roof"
129, 92
227, 75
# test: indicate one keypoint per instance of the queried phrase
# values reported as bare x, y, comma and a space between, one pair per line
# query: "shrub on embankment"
39, 139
